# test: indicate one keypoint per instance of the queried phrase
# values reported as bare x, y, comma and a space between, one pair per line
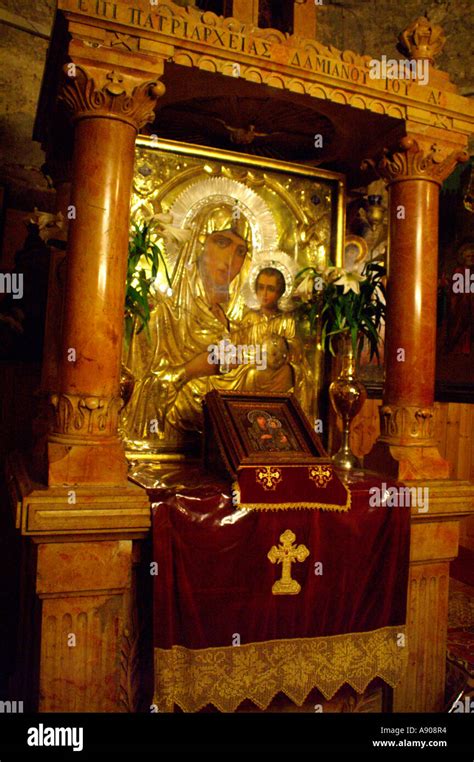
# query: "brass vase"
347, 396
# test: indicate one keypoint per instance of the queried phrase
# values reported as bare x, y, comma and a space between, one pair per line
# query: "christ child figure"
270, 325
267, 328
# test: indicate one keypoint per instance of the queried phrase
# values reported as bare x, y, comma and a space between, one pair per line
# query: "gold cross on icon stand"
286, 554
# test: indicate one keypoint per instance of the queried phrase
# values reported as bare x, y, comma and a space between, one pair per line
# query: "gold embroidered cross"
286, 554
320, 475
268, 477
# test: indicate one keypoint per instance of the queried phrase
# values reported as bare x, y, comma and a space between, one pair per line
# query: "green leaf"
354, 333
165, 268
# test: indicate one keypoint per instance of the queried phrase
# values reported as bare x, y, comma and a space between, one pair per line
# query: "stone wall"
22, 59
371, 27
367, 26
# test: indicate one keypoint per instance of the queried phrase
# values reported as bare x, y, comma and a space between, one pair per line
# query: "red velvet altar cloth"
284, 486
215, 580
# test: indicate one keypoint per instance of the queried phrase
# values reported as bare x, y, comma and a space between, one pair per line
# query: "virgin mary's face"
223, 256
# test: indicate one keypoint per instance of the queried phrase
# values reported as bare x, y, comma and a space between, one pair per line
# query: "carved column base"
86, 464
82, 586
406, 447
434, 543
74, 632
402, 462
84, 446
428, 587
407, 425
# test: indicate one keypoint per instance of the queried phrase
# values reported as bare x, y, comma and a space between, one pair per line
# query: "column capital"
109, 93
411, 160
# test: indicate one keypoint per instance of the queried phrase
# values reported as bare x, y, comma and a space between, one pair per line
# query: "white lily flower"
170, 232
304, 289
350, 281
165, 217
167, 230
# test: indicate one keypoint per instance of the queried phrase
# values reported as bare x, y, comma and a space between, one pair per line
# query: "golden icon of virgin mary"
175, 371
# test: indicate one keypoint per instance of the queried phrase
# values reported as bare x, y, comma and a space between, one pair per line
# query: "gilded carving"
116, 97
411, 161
166, 410
422, 39
86, 416
443, 122
468, 199
410, 422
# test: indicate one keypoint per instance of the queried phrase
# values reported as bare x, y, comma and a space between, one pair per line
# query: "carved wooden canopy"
231, 84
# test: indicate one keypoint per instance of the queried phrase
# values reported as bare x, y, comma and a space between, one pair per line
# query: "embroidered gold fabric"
289, 506
268, 477
320, 475
228, 675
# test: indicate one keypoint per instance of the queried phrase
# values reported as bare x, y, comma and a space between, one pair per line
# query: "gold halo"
361, 246
216, 191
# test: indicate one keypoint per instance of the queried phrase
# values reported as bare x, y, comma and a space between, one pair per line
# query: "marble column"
80, 529
414, 174
407, 448
107, 108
